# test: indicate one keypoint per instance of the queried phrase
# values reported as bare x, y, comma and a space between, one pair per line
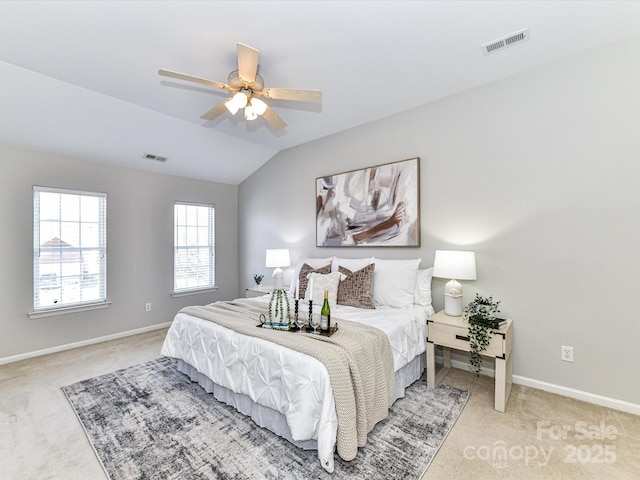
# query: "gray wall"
537, 174
139, 248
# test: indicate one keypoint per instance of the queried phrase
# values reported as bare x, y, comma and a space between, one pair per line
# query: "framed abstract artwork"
377, 206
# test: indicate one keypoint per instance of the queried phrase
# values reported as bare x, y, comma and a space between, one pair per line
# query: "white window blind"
194, 247
69, 248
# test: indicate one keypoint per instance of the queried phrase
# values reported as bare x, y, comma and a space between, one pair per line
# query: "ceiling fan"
246, 88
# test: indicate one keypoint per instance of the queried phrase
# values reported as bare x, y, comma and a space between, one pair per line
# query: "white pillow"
394, 282
330, 282
422, 295
312, 262
353, 264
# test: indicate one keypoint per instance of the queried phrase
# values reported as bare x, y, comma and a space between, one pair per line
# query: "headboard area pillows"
422, 295
303, 277
313, 263
322, 282
356, 289
352, 264
394, 282
367, 282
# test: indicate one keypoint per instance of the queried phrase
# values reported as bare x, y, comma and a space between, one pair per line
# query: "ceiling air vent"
507, 41
157, 158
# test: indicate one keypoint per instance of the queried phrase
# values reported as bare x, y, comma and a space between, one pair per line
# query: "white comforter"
292, 383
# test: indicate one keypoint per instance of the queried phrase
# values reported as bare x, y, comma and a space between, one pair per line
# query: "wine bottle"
325, 313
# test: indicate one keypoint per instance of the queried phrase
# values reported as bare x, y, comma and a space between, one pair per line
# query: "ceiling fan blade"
247, 62
216, 111
191, 78
273, 118
314, 96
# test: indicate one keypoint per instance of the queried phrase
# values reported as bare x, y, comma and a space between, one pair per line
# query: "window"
194, 247
69, 248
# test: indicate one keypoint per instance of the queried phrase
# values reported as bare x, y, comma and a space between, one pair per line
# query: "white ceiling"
80, 78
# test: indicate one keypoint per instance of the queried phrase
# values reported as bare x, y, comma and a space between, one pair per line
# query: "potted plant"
279, 309
481, 314
257, 278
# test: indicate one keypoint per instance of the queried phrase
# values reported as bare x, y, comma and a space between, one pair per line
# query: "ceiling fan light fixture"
238, 101
241, 99
231, 106
258, 106
250, 113
243, 90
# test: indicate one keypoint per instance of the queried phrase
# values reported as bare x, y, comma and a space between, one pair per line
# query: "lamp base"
277, 278
453, 298
453, 305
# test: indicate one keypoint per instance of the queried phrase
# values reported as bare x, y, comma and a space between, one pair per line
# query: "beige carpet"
41, 438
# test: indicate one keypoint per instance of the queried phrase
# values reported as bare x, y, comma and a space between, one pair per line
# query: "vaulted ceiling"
81, 79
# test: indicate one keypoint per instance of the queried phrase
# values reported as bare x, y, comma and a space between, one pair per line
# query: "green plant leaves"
479, 313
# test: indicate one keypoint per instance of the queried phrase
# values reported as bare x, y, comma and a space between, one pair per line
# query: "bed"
290, 392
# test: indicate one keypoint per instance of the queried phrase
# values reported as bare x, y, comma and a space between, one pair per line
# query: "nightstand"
258, 290
452, 333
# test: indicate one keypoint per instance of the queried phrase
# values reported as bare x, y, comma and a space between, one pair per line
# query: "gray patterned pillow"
305, 270
357, 289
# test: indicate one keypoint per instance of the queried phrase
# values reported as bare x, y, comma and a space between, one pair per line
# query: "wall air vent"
506, 41
157, 158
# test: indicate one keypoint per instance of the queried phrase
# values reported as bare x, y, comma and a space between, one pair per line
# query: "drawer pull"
462, 337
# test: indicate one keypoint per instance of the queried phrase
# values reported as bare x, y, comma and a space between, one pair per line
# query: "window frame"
210, 246
101, 300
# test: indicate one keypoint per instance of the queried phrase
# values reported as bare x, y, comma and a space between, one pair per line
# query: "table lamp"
456, 266
278, 257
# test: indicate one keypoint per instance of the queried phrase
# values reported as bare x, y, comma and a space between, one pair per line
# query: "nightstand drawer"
457, 337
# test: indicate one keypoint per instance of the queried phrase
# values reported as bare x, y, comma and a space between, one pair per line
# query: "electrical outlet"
566, 353
147, 307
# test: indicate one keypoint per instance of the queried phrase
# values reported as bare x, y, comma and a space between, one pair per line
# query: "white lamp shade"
238, 101
454, 264
231, 106
249, 113
278, 257
258, 106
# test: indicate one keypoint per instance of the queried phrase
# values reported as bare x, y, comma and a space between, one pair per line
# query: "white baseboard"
83, 343
588, 397
608, 402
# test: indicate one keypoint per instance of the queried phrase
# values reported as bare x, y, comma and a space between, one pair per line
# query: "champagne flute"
300, 322
314, 322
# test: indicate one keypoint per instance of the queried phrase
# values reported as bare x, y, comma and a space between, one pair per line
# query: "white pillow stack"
394, 282
313, 263
422, 295
353, 264
321, 283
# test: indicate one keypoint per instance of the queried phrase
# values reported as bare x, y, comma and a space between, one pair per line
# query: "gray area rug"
150, 421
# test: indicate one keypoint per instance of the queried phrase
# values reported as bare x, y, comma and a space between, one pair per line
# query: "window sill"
72, 309
184, 293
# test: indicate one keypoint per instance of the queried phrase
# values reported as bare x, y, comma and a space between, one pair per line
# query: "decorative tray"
293, 328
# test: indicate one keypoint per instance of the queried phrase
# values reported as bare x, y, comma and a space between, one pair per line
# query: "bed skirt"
274, 420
